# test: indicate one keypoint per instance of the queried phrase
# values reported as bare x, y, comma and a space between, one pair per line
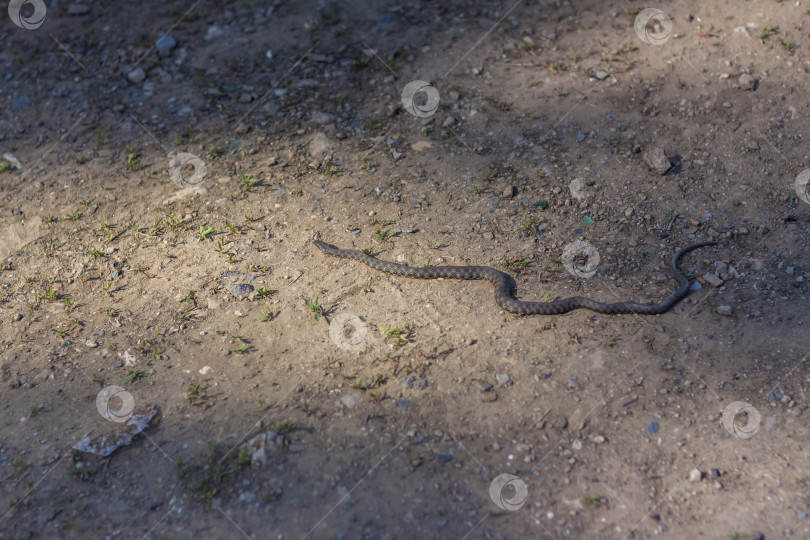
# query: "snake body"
503, 289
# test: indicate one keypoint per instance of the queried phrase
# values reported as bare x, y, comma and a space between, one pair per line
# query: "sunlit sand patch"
19, 235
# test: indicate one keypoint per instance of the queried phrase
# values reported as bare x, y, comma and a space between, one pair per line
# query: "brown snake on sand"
503, 290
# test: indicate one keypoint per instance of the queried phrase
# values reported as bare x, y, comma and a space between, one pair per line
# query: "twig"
671, 221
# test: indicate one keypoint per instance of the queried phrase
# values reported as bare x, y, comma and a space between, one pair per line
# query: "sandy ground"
167, 167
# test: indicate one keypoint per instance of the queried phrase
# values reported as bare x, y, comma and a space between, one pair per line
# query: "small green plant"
94, 253
204, 232
85, 473
133, 159
247, 181
316, 308
19, 462
594, 501
263, 293
284, 427
73, 215
765, 32
133, 375
101, 140
267, 315
401, 336
243, 459
196, 394
514, 262
382, 235
789, 46
49, 295
532, 224
182, 467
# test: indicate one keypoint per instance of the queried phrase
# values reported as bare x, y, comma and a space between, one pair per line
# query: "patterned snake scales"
503, 290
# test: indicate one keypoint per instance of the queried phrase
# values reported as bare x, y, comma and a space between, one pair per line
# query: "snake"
504, 290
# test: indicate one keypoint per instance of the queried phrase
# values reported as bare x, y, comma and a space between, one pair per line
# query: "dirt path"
167, 166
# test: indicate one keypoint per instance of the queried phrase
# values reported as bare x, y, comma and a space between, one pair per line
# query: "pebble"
488, 236
165, 45
225, 352
561, 422
503, 378
136, 75
577, 188
724, 310
509, 192
712, 280
350, 400
657, 160
22, 101
695, 475
747, 82
18, 317
240, 290
413, 381
90, 343
652, 428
